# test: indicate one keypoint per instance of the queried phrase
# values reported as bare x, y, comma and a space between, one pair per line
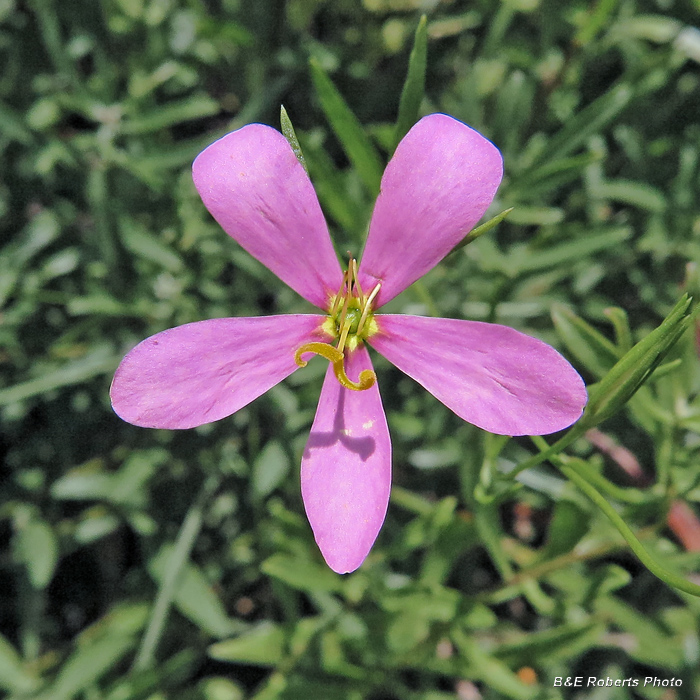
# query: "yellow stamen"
343, 335
366, 308
337, 300
344, 312
356, 281
367, 377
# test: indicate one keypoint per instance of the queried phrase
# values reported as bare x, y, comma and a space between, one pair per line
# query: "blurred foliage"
478, 586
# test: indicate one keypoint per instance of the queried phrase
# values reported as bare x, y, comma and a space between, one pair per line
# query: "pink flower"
437, 186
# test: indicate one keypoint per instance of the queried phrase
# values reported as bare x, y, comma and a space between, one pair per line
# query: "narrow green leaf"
456, 537
301, 575
129, 484
144, 244
12, 126
606, 580
37, 547
666, 368
657, 28
13, 676
75, 372
347, 128
330, 187
414, 87
101, 304
334, 659
194, 596
290, 135
620, 322
569, 524
150, 166
406, 631
36, 236
491, 671
80, 485
635, 194
269, 469
168, 115
263, 645
94, 524
592, 349
88, 664
560, 642
653, 645
159, 684
572, 251
174, 572
219, 688
554, 173
588, 121
440, 603
598, 18
488, 526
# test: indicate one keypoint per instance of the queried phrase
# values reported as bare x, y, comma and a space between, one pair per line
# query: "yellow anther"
356, 281
367, 377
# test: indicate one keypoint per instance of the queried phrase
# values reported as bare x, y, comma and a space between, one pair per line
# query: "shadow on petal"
362, 446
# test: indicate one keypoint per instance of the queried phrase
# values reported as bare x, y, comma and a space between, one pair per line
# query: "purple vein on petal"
493, 376
254, 186
204, 371
346, 468
435, 189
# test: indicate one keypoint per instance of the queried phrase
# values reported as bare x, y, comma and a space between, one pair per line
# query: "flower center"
351, 321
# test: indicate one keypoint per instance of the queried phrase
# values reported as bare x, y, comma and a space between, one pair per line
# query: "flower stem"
619, 493
546, 452
574, 473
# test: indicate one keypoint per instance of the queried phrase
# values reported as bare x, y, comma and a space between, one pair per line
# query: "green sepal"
635, 366
482, 229
414, 87
290, 135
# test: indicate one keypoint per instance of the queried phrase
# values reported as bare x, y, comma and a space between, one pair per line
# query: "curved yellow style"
367, 378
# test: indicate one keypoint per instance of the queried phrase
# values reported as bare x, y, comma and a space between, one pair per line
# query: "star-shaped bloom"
436, 187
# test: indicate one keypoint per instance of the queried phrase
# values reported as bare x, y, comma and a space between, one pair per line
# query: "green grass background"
142, 564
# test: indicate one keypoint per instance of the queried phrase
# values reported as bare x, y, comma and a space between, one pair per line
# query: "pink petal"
204, 371
437, 186
492, 376
346, 468
254, 186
